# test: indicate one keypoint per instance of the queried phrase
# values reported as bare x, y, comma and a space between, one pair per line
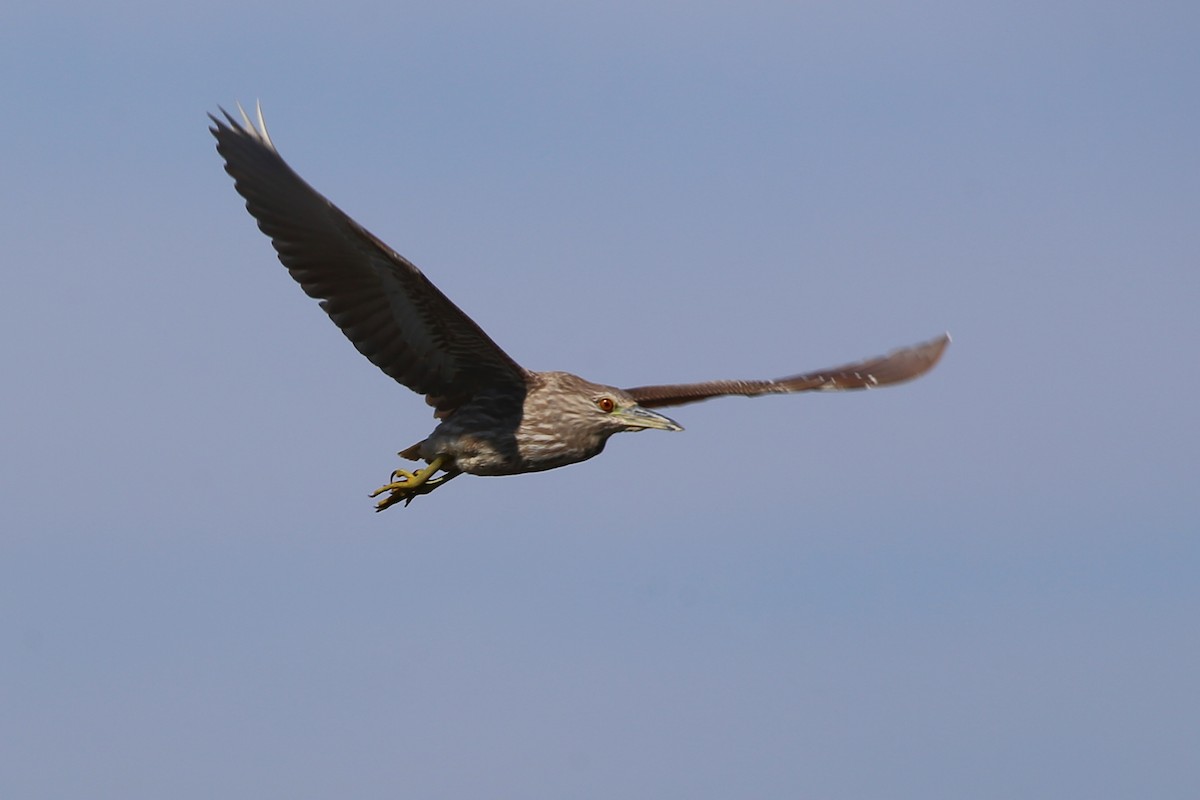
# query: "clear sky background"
983, 584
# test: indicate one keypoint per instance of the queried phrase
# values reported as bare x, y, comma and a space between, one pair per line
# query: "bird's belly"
540, 452
504, 455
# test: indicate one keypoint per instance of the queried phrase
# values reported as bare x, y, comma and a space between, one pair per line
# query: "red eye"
606, 404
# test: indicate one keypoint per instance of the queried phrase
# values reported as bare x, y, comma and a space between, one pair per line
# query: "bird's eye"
606, 404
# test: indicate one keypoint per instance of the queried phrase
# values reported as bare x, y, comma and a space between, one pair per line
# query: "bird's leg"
406, 485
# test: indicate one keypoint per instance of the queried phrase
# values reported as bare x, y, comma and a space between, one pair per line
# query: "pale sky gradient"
980, 585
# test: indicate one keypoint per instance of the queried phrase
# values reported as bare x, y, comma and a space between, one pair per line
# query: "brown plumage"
897, 366
497, 418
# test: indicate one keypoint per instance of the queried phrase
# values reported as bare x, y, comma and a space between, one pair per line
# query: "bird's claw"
406, 485
404, 490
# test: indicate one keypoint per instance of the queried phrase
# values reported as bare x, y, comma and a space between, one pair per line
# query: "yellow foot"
406, 485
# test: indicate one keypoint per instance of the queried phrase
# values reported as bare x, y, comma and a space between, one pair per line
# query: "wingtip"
256, 128
917, 360
262, 121
934, 349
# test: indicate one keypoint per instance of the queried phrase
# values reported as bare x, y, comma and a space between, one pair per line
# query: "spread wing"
897, 366
387, 308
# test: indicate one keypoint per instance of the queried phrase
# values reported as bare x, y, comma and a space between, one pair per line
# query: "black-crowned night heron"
496, 417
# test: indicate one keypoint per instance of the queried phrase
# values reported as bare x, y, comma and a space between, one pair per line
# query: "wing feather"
388, 309
895, 367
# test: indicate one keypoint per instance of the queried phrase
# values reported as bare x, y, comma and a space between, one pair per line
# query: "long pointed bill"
637, 418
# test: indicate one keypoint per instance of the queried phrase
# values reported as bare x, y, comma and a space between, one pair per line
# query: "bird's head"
595, 408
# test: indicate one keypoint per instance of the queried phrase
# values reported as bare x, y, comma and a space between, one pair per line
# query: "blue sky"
982, 584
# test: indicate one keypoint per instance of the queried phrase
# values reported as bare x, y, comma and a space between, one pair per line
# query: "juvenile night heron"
496, 417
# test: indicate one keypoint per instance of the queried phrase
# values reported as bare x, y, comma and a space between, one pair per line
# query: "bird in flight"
495, 416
